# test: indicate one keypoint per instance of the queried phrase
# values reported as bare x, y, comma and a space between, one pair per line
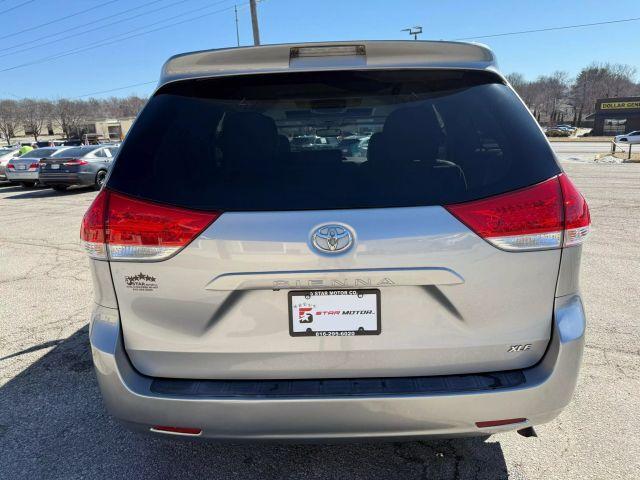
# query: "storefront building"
615, 116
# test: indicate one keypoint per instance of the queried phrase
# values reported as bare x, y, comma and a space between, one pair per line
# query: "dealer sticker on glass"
323, 313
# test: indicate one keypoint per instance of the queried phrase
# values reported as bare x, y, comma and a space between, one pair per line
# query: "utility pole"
415, 31
254, 23
235, 9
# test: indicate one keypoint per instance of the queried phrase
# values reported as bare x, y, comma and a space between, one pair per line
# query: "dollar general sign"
619, 105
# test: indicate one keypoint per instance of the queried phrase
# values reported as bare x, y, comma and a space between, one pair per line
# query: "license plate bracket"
325, 313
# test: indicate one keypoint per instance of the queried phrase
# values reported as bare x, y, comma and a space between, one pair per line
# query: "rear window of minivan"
254, 142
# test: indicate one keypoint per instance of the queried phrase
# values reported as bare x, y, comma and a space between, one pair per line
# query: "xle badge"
141, 282
519, 348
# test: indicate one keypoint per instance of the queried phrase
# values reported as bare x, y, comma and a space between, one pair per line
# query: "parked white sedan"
631, 137
6, 154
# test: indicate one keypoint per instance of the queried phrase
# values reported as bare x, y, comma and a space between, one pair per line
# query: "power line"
565, 27
135, 84
91, 30
66, 17
116, 89
102, 43
98, 20
16, 7
465, 38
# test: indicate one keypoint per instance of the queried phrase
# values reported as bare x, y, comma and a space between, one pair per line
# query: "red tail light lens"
534, 218
132, 229
34, 165
11, 166
75, 161
92, 229
577, 219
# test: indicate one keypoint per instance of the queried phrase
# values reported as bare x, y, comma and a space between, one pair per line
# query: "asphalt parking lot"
53, 424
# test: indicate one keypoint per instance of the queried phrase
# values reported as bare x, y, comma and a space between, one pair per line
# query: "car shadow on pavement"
53, 425
48, 192
9, 187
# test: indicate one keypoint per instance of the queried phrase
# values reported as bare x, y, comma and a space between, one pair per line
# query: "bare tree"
517, 81
9, 119
70, 115
554, 87
36, 114
621, 83
601, 81
131, 106
114, 107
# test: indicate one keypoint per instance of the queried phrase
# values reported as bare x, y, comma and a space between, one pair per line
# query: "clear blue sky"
137, 60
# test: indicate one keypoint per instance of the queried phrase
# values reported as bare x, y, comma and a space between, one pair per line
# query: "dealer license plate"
327, 313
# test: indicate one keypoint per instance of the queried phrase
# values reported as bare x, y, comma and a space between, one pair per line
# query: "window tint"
76, 151
59, 152
255, 142
39, 153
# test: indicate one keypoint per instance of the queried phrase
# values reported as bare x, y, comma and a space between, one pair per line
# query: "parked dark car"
79, 166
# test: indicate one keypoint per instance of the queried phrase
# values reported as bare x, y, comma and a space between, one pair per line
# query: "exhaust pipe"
527, 432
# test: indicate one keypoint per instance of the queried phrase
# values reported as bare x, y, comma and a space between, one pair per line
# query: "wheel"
100, 178
60, 188
28, 184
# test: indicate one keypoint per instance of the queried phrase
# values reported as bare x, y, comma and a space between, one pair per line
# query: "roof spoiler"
356, 55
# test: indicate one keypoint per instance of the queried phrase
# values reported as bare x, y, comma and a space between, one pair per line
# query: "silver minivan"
247, 288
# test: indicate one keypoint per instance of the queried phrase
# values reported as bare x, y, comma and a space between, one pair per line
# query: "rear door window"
255, 142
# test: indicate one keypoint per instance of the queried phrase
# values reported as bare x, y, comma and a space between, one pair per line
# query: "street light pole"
235, 9
254, 22
415, 31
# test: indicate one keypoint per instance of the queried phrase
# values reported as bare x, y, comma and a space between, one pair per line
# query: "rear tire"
100, 178
60, 188
28, 184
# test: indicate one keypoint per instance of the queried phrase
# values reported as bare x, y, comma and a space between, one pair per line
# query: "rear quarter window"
253, 143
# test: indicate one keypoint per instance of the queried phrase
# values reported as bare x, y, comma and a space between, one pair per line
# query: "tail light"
11, 166
547, 215
576, 213
34, 165
118, 227
75, 161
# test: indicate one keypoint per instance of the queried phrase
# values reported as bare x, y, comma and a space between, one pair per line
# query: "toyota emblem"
332, 238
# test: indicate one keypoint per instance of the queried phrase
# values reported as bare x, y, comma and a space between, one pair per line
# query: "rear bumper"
547, 388
67, 178
21, 176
